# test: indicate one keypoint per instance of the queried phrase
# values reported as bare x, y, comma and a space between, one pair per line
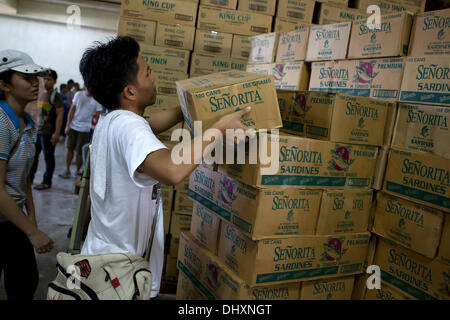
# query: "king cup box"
264, 48
175, 36
423, 128
333, 13
166, 11
426, 80
409, 224
292, 45
285, 25
241, 47
214, 43
289, 260
388, 6
302, 10
218, 282
165, 59
328, 42
288, 76
208, 98
260, 6
142, 31
182, 203
389, 39
430, 34
415, 275
202, 64
374, 78
308, 163
233, 21
165, 82
419, 177
338, 118
228, 4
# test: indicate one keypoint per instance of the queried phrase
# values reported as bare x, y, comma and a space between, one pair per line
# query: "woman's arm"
29, 203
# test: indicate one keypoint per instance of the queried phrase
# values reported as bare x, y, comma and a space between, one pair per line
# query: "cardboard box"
233, 21
183, 186
412, 273
380, 167
286, 25
444, 246
241, 47
210, 97
205, 227
408, 224
344, 211
229, 4
175, 36
206, 64
183, 204
260, 6
165, 101
426, 80
288, 76
217, 282
293, 109
390, 39
298, 9
171, 271
167, 215
141, 30
166, 136
186, 289
430, 34
334, 13
165, 81
374, 78
318, 113
213, 43
328, 42
292, 45
167, 197
388, 6
292, 211
166, 11
422, 128
327, 289
387, 292
343, 3
287, 260
310, 163
180, 222
419, 177
174, 245
264, 48
165, 59
360, 287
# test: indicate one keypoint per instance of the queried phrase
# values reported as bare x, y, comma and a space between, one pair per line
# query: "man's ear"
4, 87
130, 93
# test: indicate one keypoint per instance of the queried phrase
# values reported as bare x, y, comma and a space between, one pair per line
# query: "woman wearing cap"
19, 233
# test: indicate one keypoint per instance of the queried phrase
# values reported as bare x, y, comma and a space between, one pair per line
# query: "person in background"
70, 91
77, 87
51, 109
78, 128
63, 90
19, 232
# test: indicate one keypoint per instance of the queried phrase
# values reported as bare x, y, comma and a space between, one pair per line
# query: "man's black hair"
52, 74
70, 82
107, 68
6, 77
62, 86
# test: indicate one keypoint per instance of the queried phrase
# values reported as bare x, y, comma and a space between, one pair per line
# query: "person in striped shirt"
19, 233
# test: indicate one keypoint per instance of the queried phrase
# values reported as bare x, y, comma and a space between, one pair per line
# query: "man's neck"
133, 108
16, 105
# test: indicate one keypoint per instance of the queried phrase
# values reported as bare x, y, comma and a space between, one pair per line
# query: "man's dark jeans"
44, 143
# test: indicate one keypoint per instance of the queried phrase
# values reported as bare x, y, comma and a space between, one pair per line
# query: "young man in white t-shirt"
78, 127
127, 160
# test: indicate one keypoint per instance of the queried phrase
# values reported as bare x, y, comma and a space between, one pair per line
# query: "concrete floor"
55, 210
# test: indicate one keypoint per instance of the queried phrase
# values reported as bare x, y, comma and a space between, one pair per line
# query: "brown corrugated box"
260, 6
297, 9
233, 21
286, 24
180, 222
327, 289
175, 36
387, 292
344, 211
213, 43
408, 224
165, 81
289, 260
229, 4
388, 6
141, 30
167, 11
292, 107
430, 34
419, 177
182, 203
202, 65
162, 59
391, 39
241, 47
186, 289
333, 13
328, 42
205, 227
264, 48
444, 246
292, 45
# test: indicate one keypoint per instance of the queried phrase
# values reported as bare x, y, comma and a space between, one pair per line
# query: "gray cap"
18, 61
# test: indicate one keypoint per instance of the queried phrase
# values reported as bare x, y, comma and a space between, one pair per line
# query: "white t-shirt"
122, 222
86, 107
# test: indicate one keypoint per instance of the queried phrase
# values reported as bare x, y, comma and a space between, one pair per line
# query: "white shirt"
122, 222
86, 107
